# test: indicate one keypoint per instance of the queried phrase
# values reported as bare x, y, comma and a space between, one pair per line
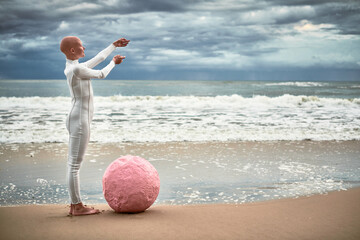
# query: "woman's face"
78, 50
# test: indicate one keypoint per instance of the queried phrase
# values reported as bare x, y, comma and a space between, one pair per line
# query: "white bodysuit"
80, 116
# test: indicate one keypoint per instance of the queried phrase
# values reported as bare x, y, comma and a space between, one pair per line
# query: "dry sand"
332, 216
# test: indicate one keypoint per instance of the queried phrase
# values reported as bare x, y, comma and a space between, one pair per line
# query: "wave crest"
298, 84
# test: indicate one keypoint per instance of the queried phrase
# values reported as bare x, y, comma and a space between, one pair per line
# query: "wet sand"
190, 172
332, 216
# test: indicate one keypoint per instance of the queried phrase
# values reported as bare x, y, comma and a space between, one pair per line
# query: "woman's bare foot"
80, 209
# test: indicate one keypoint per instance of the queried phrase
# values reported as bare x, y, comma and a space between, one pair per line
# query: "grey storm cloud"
234, 38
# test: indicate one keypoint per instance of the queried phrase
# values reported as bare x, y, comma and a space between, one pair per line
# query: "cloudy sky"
187, 39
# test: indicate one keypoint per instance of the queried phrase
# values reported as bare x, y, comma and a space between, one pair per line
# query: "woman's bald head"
67, 43
71, 46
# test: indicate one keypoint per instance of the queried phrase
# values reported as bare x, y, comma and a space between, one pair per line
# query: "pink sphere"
130, 184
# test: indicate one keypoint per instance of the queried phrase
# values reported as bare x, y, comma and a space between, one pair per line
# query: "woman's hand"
118, 59
122, 42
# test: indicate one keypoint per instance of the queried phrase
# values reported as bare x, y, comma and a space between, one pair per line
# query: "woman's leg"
78, 126
78, 141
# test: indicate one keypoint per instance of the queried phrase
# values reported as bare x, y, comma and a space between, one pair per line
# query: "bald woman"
80, 116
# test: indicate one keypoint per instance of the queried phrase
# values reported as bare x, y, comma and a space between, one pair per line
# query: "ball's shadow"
143, 213
150, 215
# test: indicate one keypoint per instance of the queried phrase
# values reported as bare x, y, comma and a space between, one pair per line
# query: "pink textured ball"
130, 184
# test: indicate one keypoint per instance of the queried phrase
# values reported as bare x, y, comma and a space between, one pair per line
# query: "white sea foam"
298, 84
185, 118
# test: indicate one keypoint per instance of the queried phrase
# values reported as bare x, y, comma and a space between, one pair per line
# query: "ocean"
34, 111
211, 141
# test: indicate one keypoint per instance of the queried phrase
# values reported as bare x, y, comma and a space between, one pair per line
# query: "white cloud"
114, 3
272, 15
194, 59
80, 7
314, 46
305, 26
224, 5
63, 26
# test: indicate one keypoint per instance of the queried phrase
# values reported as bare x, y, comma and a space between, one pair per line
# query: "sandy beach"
329, 216
202, 185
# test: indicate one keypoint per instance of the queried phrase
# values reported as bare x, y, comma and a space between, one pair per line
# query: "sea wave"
185, 118
298, 84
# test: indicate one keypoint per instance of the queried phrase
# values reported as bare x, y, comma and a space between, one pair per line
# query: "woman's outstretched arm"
83, 72
101, 56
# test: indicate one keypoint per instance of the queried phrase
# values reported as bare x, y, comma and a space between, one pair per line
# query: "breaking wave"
185, 118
